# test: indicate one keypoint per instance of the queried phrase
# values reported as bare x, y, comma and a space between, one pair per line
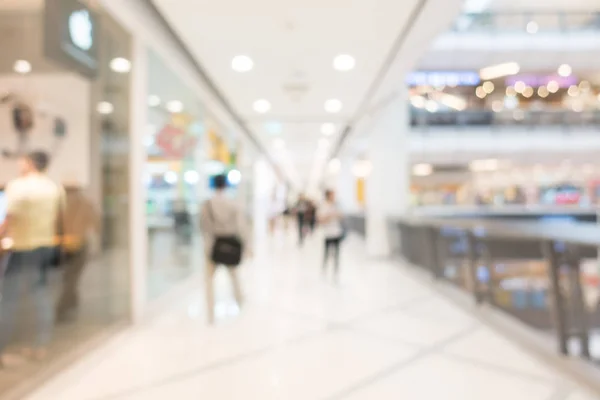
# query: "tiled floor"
377, 334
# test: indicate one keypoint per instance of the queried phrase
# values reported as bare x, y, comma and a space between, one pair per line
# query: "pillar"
387, 186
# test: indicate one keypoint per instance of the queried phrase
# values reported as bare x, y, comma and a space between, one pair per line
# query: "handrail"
545, 21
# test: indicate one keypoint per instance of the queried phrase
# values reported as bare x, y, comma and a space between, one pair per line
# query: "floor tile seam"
498, 368
230, 361
386, 372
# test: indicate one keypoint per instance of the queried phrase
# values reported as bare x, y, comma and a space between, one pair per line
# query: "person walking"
222, 221
34, 203
330, 218
302, 218
79, 219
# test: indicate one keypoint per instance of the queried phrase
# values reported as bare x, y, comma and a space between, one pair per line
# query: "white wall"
59, 94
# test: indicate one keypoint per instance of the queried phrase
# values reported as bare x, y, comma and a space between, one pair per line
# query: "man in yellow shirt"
34, 203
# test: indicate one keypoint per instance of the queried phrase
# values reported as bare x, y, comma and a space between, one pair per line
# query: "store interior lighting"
175, 106
105, 108
565, 70
532, 27
422, 169
333, 106
191, 177
22, 67
262, 106
328, 129
120, 65
499, 71
344, 62
486, 165
170, 177
153, 100
242, 63
234, 177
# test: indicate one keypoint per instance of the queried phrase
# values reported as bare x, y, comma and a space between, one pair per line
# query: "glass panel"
76, 112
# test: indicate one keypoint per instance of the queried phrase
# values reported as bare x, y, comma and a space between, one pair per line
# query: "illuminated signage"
443, 78
71, 32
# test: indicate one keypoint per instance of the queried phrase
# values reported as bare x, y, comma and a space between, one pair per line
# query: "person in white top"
34, 204
221, 216
330, 219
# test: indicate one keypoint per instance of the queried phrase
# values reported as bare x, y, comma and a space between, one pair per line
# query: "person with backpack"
223, 227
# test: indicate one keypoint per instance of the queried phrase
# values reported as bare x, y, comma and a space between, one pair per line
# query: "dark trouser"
301, 222
73, 268
24, 281
332, 244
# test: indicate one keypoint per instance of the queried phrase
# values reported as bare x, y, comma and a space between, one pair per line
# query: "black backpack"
226, 250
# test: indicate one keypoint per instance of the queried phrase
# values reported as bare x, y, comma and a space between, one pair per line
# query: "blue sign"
443, 78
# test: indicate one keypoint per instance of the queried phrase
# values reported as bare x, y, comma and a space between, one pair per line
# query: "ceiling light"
175, 106
573, 90
520, 86
432, 106
418, 101
153, 101
333, 106
262, 106
335, 165
328, 129
344, 62
532, 27
543, 92
22, 67
454, 102
234, 177
553, 87
484, 165
242, 63
105, 108
170, 177
499, 71
422, 170
585, 86
528, 92
497, 106
488, 87
510, 91
479, 92
120, 65
191, 177
565, 70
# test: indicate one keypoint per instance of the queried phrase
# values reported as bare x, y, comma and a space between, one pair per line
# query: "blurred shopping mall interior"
460, 141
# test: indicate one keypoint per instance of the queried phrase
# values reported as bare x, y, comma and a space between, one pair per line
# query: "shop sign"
443, 78
71, 36
174, 142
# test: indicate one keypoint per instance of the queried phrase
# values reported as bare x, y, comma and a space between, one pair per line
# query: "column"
346, 187
388, 185
137, 190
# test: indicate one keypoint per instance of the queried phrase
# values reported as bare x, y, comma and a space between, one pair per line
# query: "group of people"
221, 220
46, 226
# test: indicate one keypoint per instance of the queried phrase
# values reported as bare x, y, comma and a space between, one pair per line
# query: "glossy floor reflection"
375, 334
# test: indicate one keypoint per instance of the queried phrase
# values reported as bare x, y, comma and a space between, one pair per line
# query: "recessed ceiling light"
175, 106
422, 169
565, 70
262, 106
22, 67
120, 65
333, 106
242, 63
532, 27
328, 129
153, 101
105, 108
344, 62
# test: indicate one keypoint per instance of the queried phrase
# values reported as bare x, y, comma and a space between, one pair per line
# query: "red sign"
174, 142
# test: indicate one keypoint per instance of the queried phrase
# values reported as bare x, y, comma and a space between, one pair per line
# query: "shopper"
330, 218
33, 206
222, 219
78, 221
301, 216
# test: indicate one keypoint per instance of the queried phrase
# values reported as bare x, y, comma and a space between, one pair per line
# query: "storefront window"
64, 92
176, 182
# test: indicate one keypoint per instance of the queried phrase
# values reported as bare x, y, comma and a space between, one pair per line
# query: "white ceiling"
293, 44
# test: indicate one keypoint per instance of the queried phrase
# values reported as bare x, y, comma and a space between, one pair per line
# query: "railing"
534, 271
528, 22
541, 120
